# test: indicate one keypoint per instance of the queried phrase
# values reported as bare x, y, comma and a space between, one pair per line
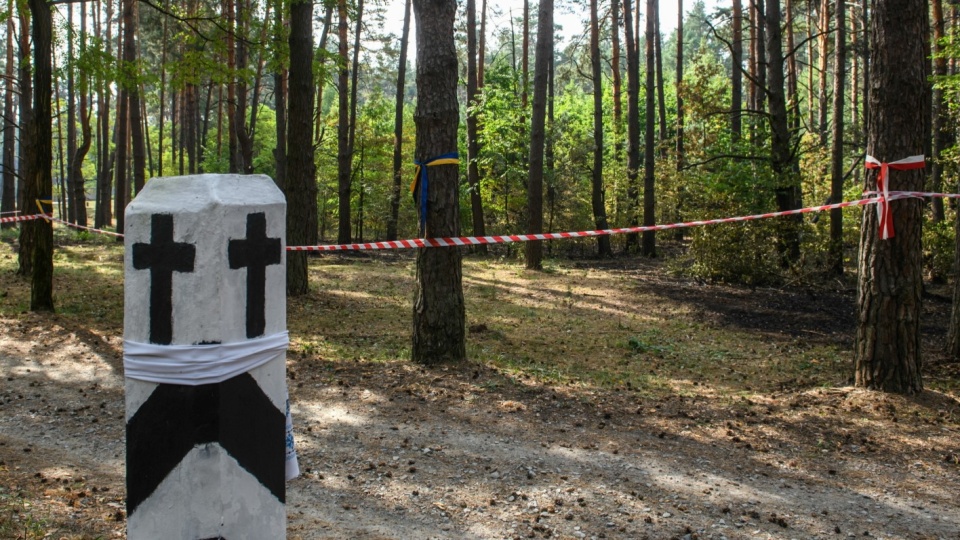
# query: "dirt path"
391, 451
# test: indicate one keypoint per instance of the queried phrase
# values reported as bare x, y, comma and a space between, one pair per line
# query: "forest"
648, 369
602, 122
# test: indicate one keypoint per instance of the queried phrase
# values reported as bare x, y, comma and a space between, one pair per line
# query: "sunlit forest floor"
602, 399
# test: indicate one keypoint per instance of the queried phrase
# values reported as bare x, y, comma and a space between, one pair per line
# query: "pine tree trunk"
122, 183
86, 135
71, 120
25, 191
280, 103
39, 156
736, 92
133, 95
538, 118
301, 173
343, 130
103, 215
836, 158
616, 81
787, 191
649, 246
633, 125
8, 203
598, 204
438, 310
661, 99
888, 355
354, 76
473, 144
392, 222
942, 135
824, 41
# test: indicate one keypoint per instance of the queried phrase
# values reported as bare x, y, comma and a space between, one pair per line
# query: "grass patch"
573, 325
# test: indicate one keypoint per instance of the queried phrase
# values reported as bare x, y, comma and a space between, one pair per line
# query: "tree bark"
787, 191
616, 80
473, 144
351, 143
836, 157
86, 135
301, 174
544, 51
633, 124
39, 153
888, 355
8, 203
661, 98
649, 246
133, 94
122, 182
103, 215
71, 119
736, 86
343, 130
25, 191
393, 222
824, 42
280, 101
438, 310
598, 204
942, 135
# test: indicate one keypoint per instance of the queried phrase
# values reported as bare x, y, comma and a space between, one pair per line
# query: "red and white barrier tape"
884, 215
24, 218
85, 228
507, 239
477, 240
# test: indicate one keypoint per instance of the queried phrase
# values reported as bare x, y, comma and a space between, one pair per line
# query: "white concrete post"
204, 359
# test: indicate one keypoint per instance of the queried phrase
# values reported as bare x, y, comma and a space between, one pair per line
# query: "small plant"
16, 520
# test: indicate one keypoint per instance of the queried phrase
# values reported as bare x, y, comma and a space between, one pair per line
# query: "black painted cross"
162, 256
255, 253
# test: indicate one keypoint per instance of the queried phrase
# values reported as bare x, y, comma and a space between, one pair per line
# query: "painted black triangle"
235, 413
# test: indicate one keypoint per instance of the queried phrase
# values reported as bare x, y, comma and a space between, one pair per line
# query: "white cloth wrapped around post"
209, 364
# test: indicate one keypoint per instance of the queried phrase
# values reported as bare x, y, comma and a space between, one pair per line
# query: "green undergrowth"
575, 325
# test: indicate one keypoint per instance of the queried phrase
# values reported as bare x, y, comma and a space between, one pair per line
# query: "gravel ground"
389, 450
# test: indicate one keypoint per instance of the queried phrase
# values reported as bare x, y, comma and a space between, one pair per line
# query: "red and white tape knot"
883, 187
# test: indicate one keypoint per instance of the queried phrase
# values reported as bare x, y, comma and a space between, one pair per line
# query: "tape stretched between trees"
507, 239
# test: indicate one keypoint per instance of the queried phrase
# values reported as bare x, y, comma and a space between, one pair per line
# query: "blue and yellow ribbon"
40, 203
420, 181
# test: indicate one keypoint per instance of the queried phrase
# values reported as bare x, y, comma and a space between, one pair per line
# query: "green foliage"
939, 243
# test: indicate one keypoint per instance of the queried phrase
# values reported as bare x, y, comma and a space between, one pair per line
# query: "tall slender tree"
438, 309
544, 52
633, 123
473, 143
787, 190
736, 85
71, 118
649, 246
301, 173
8, 202
836, 154
942, 135
890, 279
86, 135
393, 222
343, 127
39, 156
131, 75
598, 203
